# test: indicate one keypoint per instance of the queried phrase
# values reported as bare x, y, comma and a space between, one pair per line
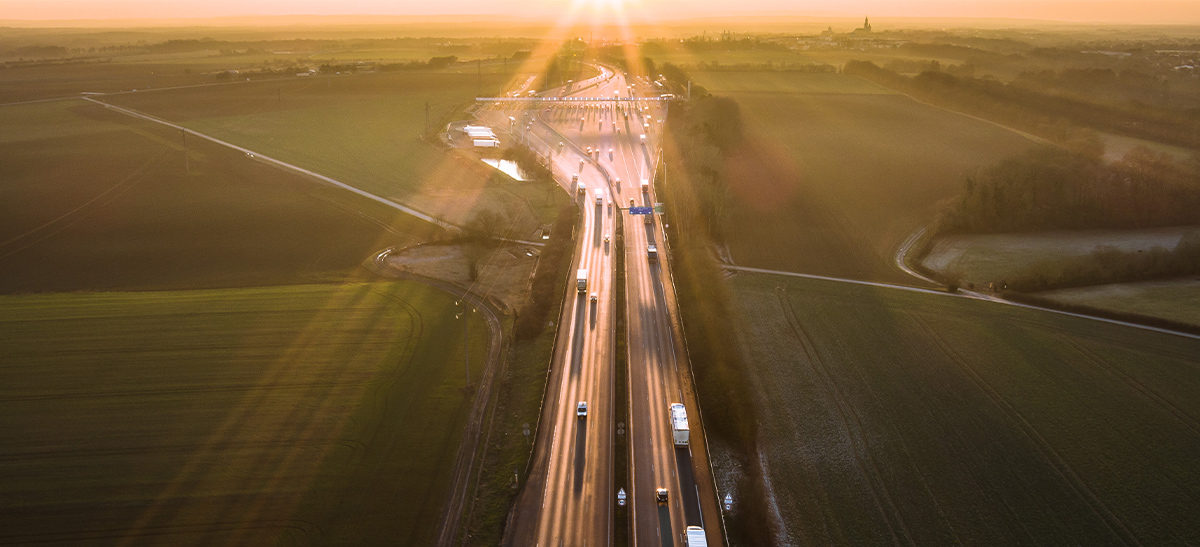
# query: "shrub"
1050, 188
551, 269
1109, 265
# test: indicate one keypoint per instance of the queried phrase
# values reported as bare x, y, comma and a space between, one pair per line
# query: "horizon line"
474, 17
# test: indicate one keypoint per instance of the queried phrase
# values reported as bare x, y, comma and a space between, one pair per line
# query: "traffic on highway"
602, 142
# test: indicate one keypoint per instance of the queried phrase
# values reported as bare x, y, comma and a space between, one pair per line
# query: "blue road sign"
641, 210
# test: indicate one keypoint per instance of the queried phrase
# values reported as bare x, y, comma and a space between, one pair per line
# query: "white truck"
581, 281
645, 186
679, 425
695, 537
599, 197
652, 253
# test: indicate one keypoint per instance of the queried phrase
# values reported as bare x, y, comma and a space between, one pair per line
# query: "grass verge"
622, 524
720, 373
520, 391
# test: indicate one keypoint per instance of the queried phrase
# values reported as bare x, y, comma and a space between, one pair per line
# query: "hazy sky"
1113, 11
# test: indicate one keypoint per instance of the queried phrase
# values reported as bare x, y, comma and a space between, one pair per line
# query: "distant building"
866, 28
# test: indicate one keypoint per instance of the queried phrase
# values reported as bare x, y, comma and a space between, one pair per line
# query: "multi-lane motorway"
570, 496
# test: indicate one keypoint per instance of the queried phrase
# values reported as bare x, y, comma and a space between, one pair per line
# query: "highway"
570, 496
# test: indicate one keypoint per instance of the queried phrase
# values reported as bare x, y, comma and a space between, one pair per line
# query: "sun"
607, 7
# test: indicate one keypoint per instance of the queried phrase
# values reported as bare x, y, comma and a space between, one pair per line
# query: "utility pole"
466, 349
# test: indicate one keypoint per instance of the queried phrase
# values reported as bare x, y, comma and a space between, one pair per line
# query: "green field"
732, 57
1175, 299
932, 420
142, 67
364, 130
299, 414
788, 83
94, 200
834, 175
42, 82
779, 59
985, 258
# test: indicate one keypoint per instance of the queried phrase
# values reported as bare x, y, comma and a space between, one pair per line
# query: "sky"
1103, 11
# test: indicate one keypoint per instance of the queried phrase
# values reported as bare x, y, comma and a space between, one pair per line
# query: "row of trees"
702, 43
1042, 113
1110, 265
700, 134
432, 64
551, 271
1051, 188
768, 66
913, 66
1054, 189
529, 163
565, 65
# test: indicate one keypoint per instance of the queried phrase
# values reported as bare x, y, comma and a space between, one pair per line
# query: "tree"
487, 224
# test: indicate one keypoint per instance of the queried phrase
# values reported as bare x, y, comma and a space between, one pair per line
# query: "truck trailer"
695, 537
581, 281
652, 253
679, 424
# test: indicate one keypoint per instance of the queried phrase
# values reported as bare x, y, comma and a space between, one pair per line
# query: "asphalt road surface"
570, 497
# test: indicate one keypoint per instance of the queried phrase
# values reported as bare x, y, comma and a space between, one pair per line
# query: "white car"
595, 297
581, 409
606, 238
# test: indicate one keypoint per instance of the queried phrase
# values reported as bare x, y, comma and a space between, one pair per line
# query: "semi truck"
645, 186
581, 281
652, 253
679, 425
695, 537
